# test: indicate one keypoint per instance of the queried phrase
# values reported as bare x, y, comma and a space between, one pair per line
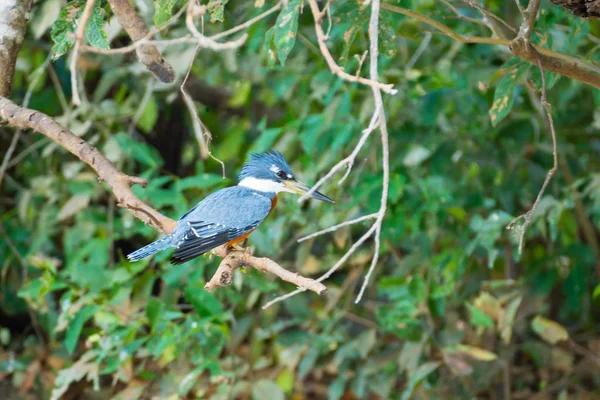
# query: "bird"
228, 216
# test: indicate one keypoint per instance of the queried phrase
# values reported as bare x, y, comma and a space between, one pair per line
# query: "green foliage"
216, 9
451, 302
95, 35
163, 10
63, 29
286, 27
505, 88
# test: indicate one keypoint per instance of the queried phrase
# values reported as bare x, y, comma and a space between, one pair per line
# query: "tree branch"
336, 69
552, 61
378, 119
135, 44
120, 185
13, 25
529, 214
385, 145
529, 17
237, 259
147, 53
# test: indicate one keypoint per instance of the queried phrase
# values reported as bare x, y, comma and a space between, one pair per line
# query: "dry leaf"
75, 204
552, 332
476, 353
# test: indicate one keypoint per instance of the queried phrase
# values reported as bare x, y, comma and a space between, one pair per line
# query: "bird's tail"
151, 248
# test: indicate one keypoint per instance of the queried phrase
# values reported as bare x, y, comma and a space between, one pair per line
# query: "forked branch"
563, 64
377, 120
333, 66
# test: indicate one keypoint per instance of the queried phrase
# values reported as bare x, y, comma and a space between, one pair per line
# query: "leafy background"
453, 312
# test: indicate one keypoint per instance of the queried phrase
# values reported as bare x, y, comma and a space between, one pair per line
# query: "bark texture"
147, 53
13, 25
581, 8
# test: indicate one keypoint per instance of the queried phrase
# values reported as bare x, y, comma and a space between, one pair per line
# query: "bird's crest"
260, 163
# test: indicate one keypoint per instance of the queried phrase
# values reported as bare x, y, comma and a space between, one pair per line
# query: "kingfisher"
230, 215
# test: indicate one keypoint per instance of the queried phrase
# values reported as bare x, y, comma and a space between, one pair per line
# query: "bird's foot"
237, 247
210, 254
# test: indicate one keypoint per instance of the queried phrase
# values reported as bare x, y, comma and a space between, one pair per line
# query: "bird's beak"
301, 188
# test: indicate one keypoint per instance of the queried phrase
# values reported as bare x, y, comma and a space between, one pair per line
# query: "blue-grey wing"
218, 219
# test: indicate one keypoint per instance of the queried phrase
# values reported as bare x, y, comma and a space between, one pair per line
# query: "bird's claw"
210, 254
237, 247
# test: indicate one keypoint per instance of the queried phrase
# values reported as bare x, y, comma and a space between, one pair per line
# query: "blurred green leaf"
336, 389
76, 325
596, 292
205, 303
216, 9
163, 10
417, 376
480, 318
94, 32
63, 29
141, 152
285, 380
505, 91
200, 182
154, 309
149, 116
286, 28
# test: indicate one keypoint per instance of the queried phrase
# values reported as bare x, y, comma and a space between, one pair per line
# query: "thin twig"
208, 42
361, 61
79, 34
248, 23
338, 226
413, 60
202, 134
519, 6
464, 17
378, 119
385, 146
8, 155
491, 15
205, 42
196, 122
529, 17
60, 93
346, 162
553, 61
529, 214
336, 69
30, 149
329, 272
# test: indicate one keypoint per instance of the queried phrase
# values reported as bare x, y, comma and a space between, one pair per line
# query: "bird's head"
269, 172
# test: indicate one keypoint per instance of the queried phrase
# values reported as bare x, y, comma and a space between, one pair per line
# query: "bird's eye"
281, 174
